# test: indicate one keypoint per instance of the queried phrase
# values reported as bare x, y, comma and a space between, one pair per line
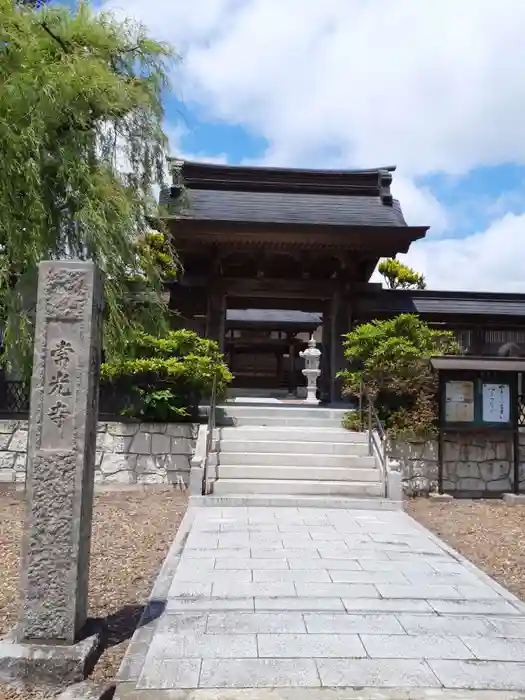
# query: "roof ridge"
211, 176
181, 162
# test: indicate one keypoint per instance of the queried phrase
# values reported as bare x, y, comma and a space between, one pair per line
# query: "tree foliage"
391, 359
155, 249
82, 145
159, 379
400, 276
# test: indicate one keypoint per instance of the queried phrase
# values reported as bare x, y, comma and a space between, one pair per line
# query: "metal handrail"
209, 435
379, 447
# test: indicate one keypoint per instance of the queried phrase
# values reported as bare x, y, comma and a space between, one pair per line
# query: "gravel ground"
132, 531
489, 533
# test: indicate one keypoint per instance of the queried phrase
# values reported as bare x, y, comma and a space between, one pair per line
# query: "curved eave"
383, 241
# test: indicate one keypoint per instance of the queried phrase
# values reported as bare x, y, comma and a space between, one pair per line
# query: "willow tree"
82, 145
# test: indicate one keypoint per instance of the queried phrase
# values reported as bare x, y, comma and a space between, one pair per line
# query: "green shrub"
352, 421
391, 359
164, 379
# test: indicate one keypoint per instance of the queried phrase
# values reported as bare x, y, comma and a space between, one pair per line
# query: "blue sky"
436, 87
479, 196
208, 139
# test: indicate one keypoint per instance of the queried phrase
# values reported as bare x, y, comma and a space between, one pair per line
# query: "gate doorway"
262, 348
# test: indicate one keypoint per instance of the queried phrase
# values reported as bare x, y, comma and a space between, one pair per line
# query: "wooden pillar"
340, 319
279, 358
216, 315
222, 322
326, 357
291, 378
334, 343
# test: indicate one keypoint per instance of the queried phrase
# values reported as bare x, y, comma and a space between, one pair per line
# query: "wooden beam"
278, 288
286, 304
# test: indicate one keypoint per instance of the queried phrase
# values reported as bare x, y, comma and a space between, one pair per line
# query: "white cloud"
175, 136
434, 86
491, 260
420, 206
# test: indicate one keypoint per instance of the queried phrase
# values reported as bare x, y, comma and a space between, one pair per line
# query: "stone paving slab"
393, 673
282, 646
260, 622
479, 675
445, 625
129, 692
277, 598
259, 673
389, 646
202, 646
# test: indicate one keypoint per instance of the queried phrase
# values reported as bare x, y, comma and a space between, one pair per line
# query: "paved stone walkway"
285, 597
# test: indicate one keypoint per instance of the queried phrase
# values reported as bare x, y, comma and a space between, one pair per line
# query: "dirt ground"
489, 533
132, 532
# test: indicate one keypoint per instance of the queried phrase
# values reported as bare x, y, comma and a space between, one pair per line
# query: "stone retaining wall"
419, 465
127, 453
474, 464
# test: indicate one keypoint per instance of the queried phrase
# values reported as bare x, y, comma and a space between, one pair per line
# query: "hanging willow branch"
82, 145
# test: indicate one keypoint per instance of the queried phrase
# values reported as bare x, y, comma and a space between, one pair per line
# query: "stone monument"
54, 640
312, 358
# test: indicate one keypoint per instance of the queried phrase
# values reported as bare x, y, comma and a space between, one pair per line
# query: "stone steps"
236, 393
254, 500
306, 447
278, 415
295, 451
290, 487
279, 433
287, 473
287, 459
280, 422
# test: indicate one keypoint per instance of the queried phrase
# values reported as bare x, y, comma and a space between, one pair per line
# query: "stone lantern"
312, 358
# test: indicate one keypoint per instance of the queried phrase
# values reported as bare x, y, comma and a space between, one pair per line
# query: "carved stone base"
312, 375
50, 664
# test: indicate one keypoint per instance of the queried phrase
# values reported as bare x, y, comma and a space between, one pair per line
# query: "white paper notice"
496, 403
459, 402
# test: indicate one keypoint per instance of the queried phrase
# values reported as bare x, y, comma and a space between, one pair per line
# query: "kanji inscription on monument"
61, 452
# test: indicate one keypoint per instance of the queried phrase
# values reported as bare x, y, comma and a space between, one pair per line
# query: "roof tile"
286, 208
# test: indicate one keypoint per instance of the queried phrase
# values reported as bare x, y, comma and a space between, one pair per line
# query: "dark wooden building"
272, 255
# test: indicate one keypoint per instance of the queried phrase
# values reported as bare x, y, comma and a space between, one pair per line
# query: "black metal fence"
116, 401
14, 400
521, 410
113, 401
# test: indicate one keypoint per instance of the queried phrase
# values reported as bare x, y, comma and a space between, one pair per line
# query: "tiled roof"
443, 303
283, 196
287, 208
390, 303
